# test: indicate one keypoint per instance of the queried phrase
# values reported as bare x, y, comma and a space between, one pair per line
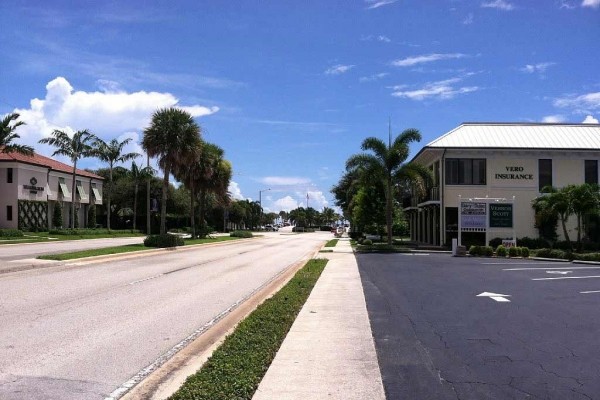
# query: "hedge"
163, 241
241, 234
11, 233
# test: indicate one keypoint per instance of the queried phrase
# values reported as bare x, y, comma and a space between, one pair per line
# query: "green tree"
138, 175
387, 164
171, 136
585, 201
57, 218
558, 202
80, 145
112, 153
92, 216
8, 135
328, 215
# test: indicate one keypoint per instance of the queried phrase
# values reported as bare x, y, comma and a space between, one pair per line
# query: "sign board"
473, 214
509, 243
501, 215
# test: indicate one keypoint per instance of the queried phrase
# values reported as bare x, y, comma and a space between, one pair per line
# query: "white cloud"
378, 3
440, 90
286, 203
583, 104
372, 78
553, 119
540, 67
284, 180
383, 38
108, 114
498, 4
316, 199
590, 3
468, 19
235, 191
338, 69
410, 61
589, 120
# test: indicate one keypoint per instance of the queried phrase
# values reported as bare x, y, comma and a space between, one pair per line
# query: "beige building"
32, 186
492, 163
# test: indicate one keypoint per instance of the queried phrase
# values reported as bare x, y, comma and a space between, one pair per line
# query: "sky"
290, 89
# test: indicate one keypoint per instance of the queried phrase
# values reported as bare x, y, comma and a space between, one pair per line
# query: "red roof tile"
38, 159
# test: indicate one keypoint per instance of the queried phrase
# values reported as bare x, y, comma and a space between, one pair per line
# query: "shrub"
367, 242
360, 240
487, 251
241, 234
513, 251
524, 252
537, 243
555, 253
562, 245
588, 257
57, 218
501, 251
92, 217
474, 250
10, 233
355, 235
163, 241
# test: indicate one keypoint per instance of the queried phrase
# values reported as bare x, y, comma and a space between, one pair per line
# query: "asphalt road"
81, 332
436, 339
13, 252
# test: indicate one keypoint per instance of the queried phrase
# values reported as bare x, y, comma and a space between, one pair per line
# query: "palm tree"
81, 145
386, 163
172, 134
7, 135
190, 171
585, 201
328, 215
112, 153
558, 202
139, 175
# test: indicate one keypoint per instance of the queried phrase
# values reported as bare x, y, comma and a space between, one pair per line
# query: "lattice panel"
33, 214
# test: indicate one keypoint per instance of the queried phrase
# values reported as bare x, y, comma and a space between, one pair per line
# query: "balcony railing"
413, 201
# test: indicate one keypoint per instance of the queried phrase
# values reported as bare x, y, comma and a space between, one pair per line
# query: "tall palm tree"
172, 134
112, 153
328, 215
79, 146
585, 201
387, 163
190, 171
7, 135
139, 175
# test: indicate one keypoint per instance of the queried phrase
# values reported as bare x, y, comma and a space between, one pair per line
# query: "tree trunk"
578, 232
565, 232
388, 209
163, 206
110, 178
135, 192
192, 216
201, 212
73, 196
148, 221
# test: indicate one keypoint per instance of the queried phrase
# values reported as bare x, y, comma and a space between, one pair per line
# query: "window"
591, 171
9, 175
465, 171
9, 216
545, 173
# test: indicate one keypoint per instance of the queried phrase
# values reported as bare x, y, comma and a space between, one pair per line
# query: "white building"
31, 186
499, 160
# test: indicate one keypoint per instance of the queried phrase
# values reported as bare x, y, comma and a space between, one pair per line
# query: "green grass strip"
331, 243
236, 368
123, 249
95, 252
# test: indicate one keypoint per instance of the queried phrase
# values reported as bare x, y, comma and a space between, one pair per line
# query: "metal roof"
521, 136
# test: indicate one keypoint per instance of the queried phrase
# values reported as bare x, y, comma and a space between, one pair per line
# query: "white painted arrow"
559, 272
496, 296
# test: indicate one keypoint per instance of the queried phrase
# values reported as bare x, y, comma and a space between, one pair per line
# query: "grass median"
124, 249
236, 368
331, 243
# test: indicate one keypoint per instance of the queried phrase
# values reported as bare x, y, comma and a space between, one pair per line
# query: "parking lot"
474, 328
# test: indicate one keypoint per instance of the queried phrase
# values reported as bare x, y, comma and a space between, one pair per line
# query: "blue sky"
290, 89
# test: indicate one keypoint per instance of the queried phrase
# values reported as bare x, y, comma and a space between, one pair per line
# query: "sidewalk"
329, 352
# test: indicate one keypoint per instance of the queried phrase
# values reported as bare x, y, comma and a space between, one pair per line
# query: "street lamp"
260, 203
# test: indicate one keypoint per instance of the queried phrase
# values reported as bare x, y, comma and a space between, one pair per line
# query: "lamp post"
260, 204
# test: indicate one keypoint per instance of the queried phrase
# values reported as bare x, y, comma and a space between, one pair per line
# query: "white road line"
522, 263
146, 279
567, 277
590, 291
546, 269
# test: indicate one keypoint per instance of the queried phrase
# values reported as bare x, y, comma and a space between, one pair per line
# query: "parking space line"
547, 268
566, 277
590, 291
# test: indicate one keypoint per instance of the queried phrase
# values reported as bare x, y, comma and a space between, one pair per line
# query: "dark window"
465, 171
9, 213
9, 175
545, 173
591, 171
